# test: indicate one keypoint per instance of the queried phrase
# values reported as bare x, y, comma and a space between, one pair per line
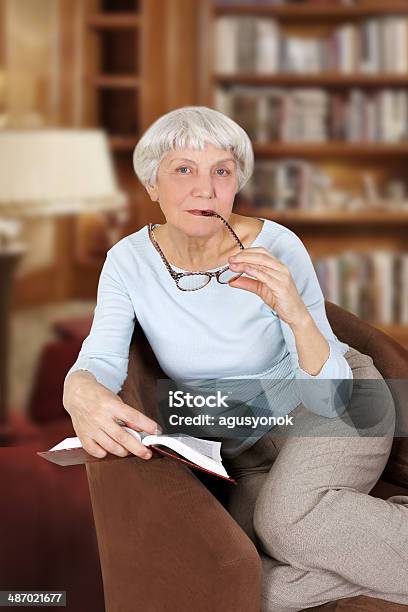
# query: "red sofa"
47, 531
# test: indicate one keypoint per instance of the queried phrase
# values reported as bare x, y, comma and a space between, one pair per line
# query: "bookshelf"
126, 84
121, 67
113, 34
133, 49
325, 232
139, 61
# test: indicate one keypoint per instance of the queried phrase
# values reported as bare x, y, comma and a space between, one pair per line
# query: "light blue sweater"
218, 332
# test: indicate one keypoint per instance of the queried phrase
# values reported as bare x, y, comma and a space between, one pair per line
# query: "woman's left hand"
272, 281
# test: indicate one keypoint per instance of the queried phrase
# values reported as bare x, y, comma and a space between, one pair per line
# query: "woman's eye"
221, 171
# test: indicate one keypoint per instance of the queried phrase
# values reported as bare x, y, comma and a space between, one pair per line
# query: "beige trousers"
302, 497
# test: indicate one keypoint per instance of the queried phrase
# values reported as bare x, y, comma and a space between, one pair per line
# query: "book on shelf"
295, 184
374, 285
198, 453
258, 44
290, 184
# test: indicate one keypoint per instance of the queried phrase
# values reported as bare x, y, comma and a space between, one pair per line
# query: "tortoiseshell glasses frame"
179, 276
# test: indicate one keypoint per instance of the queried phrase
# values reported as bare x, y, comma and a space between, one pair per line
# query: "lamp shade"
56, 171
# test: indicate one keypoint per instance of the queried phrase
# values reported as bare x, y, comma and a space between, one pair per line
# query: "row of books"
316, 115
257, 44
299, 185
287, 2
283, 185
374, 286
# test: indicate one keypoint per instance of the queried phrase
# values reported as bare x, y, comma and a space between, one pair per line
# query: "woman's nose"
203, 187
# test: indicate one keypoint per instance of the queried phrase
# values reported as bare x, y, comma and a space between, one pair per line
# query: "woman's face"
196, 180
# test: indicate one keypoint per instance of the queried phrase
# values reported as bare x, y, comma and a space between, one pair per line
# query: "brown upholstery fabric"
165, 540
166, 543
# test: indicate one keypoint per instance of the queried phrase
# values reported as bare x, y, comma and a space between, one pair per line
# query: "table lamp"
46, 172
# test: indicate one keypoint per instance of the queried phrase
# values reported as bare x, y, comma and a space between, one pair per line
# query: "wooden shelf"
321, 12
372, 217
333, 149
315, 80
128, 81
120, 21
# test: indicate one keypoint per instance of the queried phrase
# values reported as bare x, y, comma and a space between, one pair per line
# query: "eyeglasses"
192, 281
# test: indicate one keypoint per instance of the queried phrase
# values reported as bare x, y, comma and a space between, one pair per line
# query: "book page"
209, 448
67, 443
177, 442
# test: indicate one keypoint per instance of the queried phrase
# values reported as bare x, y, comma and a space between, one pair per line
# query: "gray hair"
192, 127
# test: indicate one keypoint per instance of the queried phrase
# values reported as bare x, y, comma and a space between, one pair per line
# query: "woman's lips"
196, 211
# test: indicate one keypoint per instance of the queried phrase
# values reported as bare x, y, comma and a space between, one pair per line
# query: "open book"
201, 454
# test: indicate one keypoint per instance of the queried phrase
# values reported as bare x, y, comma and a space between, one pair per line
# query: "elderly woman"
227, 297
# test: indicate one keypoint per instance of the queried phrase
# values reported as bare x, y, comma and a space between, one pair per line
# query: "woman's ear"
153, 192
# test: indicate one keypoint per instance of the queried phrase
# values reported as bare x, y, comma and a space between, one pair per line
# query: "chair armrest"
166, 543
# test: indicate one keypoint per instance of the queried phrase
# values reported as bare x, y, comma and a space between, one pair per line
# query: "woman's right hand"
94, 412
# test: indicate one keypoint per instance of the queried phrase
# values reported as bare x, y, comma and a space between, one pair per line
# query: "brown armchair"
166, 540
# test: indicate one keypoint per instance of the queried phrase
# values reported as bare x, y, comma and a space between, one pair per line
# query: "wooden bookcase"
133, 50
131, 75
121, 87
324, 233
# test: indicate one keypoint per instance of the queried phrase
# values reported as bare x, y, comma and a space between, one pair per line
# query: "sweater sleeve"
105, 351
328, 392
